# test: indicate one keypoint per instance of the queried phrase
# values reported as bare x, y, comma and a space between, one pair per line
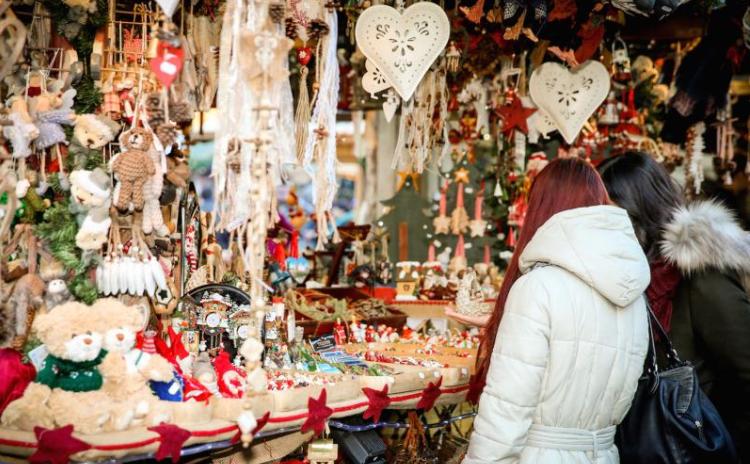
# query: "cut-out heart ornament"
374, 81
403, 46
167, 63
569, 97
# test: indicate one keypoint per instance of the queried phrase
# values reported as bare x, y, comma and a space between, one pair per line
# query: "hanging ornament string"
321, 144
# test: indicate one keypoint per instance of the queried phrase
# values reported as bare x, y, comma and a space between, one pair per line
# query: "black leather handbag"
671, 420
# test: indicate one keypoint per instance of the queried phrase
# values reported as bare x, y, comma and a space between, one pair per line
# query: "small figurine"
339, 334
370, 334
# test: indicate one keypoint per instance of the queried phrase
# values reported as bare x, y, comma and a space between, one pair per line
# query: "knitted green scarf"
71, 376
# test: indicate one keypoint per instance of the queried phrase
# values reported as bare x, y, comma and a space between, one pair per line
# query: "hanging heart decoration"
403, 46
569, 97
168, 6
374, 81
168, 63
304, 54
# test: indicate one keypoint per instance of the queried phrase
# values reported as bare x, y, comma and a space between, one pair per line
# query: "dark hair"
643, 187
562, 185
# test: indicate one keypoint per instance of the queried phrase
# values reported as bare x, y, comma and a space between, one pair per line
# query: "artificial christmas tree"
406, 222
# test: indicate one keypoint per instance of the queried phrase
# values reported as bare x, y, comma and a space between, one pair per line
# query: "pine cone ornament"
167, 134
276, 12
291, 28
317, 29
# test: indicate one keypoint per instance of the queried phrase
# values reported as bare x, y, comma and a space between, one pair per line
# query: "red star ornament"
258, 427
514, 116
378, 401
55, 446
171, 439
317, 414
429, 395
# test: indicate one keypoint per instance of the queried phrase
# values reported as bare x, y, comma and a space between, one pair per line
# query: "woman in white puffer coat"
569, 334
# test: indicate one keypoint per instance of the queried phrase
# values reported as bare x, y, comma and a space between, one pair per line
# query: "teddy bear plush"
127, 383
94, 131
91, 199
133, 167
67, 388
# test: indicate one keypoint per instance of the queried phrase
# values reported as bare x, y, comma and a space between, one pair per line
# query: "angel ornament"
469, 297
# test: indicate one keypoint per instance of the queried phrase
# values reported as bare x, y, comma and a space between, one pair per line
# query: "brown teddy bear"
126, 382
133, 167
67, 389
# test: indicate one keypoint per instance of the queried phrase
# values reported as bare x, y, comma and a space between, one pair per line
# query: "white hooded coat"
570, 346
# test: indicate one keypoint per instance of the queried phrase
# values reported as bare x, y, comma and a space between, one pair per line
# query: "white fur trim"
85, 180
706, 235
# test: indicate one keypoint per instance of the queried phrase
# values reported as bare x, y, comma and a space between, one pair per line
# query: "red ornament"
563, 9
15, 376
591, 37
55, 446
171, 439
167, 63
514, 116
378, 401
317, 414
304, 54
429, 395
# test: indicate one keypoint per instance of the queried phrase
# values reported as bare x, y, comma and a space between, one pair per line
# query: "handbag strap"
672, 356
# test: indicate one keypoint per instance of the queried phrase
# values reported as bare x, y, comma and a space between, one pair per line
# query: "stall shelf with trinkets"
363, 171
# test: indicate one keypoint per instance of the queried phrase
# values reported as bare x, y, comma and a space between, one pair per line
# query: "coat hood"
598, 245
706, 235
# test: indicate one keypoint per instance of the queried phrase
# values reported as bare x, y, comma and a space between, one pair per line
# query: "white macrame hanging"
319, 158
253, 113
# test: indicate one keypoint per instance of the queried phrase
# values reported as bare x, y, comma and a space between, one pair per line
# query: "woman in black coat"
700, 260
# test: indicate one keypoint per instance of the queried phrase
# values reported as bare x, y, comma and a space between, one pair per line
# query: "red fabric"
591, 37
476, 385
195, 390
229, 377
378, 400
294, 245
317, 414
171, 439
664, 281
429, 395
15, 375
55, 446
563, 9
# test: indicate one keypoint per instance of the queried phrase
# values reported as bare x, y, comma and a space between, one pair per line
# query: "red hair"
562, 185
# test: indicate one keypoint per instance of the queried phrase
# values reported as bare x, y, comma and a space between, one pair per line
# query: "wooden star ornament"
477, 227
403, 176
56, 446
442, 224
461, 175
514, 116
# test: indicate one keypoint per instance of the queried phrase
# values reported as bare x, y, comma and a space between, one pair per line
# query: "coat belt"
569, 439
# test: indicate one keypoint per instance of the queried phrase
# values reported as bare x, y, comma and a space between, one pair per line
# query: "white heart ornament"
569, 98
403, 46
374, 81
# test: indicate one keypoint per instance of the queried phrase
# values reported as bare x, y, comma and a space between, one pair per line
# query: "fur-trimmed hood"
706, 235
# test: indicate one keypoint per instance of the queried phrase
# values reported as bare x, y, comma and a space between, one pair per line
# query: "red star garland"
378, 401
258, 427
514, 116
429, 395
317, 414
55, 446
171, 438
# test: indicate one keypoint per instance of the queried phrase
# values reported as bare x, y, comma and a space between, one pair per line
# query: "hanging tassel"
431, 253
486, 259
336, 238
460, 247
511, 241
302, 115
